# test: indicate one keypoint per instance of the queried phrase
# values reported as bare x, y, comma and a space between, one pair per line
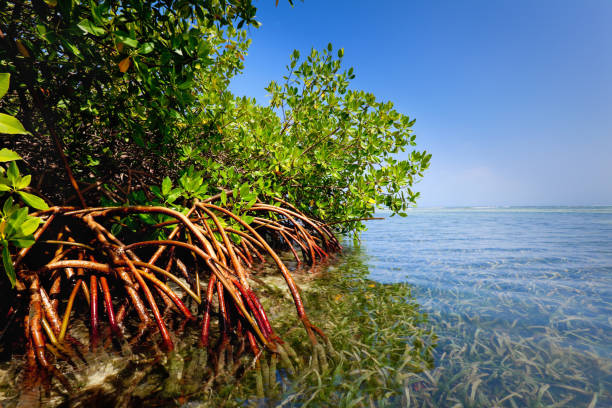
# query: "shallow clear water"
521, 299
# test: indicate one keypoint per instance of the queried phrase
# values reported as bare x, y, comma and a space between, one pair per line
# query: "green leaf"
147, 219
4, 83
4, 187
71, 48
156, 191
244, 189
11, 126
8, 208
127, 40
223, 197
8, 264
95, 12
33, 201
146, 48
23, 182
12, 173
91, 28
8, 155
116, 229
251, 203
29, 226
236, 238
247, 218
203, 189
23, 242
166, 186
15, 220
184, 181
41, 30
174, 194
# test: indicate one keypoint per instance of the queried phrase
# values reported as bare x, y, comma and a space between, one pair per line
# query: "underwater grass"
377, 337
381, 351
483, 360
520, 299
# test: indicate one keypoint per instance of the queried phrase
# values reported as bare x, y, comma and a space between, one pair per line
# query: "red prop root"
200, 253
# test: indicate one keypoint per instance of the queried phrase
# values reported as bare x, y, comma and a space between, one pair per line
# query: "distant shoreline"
531, 208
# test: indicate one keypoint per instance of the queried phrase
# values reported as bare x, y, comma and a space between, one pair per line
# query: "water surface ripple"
521, 299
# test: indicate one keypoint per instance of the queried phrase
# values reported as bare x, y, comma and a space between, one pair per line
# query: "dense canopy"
134, 179
135, 85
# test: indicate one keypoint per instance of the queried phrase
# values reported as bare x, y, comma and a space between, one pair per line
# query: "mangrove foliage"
140, 194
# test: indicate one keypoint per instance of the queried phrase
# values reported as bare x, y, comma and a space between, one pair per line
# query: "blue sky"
512, 97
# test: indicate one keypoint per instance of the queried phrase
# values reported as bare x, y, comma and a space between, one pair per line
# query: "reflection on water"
521, 300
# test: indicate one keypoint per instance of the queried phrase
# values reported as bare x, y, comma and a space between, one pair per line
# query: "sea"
520, 299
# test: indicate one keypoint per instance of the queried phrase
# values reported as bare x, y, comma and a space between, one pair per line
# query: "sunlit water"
521, 299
